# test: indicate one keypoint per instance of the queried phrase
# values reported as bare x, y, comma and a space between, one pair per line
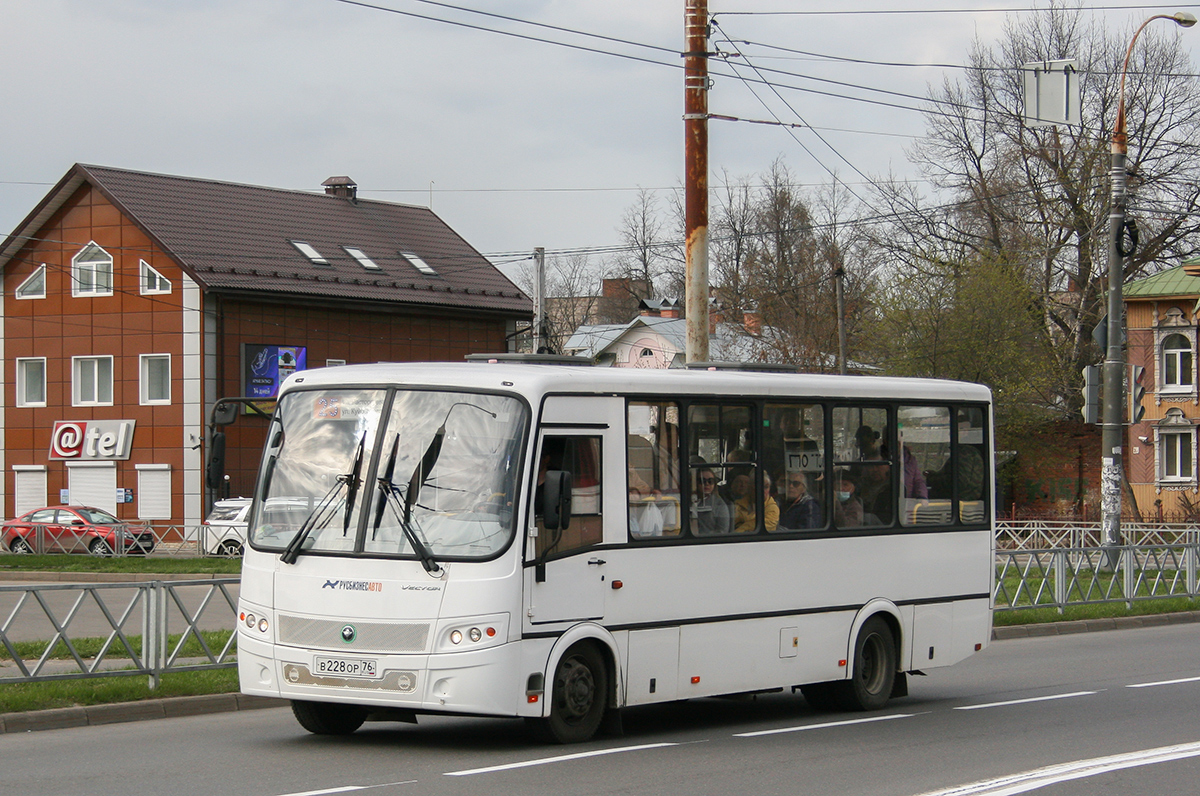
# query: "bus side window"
581, 457
970, 471
925, 461
794, 467
863, 494
652, 456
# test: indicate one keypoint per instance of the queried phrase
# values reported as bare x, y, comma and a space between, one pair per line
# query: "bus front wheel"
874, 667
327, 718
579, 693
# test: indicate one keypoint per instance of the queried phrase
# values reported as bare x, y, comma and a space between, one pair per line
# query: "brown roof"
237, 238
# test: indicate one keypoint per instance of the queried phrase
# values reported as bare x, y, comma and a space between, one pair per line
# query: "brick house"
133, 301
1161, 314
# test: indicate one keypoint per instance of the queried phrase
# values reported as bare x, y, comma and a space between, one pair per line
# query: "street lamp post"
1112, 419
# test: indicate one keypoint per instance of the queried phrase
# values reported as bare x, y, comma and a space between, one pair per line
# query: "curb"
117, 712
1093, 625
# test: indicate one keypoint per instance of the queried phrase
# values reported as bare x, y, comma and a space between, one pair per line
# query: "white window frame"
93, 286
333, 363
97, 398
362, 258
23, 381
1183, 444
24, 292
145, 382
309, 251
416, 262
1177, 354
148, 273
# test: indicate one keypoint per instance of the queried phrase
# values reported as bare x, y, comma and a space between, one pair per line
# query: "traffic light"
1091, 393
1137, 391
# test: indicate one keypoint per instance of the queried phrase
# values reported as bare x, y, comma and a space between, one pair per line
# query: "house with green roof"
1160, 452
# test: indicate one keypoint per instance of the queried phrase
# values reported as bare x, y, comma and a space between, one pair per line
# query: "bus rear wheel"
327, 718
579, 694
875, 662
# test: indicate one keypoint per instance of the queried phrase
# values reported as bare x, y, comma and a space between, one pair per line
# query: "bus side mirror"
556, 500
216, 461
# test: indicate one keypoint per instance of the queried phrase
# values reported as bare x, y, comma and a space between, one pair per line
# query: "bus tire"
870, 685
327, 718
578, 694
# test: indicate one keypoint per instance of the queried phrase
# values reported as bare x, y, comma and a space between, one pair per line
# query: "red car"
74, 529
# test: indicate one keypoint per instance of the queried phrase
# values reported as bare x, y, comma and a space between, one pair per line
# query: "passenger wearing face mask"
847, 508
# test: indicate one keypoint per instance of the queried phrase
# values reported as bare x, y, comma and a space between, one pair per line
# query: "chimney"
341, 186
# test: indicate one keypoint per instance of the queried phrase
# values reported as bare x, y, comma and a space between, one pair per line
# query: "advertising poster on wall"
264, 367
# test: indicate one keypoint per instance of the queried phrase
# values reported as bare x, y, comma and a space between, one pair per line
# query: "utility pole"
695, 125
839, 273
539, 307
1112, 417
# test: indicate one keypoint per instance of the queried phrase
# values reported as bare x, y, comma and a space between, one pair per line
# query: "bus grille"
375, 636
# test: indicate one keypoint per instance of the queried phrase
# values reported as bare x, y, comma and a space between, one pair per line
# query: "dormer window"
92, 272
418, 263
308, 251
34, 286
153, 283
362, 258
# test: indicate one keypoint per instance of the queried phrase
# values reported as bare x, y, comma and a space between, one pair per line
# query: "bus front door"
566, 574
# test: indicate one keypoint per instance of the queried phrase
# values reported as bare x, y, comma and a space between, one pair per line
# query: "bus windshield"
410, 473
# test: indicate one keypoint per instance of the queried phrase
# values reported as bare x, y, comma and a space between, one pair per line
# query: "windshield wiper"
391, 497
322, 511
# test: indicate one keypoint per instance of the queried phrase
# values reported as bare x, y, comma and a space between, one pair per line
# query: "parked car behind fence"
75, 529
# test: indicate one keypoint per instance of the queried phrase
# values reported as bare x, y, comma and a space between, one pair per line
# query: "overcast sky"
523, 143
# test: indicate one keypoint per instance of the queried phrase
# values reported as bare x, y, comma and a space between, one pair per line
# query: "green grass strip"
90, 647
135, 564
21, 697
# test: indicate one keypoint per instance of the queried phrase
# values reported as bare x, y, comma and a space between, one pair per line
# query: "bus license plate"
347, 667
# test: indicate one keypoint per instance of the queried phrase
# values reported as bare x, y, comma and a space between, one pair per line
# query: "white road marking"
1052, 775
825, 725
1026, 701
559, 759
1164, 682
348, 788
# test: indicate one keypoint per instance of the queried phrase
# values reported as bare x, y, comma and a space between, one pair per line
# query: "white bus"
559, 542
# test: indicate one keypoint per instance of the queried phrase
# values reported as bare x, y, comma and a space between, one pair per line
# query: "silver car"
224, 532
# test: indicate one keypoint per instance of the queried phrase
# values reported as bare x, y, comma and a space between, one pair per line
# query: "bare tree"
1033, 202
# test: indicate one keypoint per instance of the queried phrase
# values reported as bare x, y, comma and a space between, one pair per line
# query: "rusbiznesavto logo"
353, 585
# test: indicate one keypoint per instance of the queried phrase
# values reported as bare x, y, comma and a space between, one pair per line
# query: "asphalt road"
1023, 705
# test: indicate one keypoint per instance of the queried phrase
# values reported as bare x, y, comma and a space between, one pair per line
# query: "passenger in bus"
710, 512
745, 510
800, 509
914, 481
847, 508
867, 440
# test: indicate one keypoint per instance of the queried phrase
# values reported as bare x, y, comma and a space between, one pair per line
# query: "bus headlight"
254, 623
457, 635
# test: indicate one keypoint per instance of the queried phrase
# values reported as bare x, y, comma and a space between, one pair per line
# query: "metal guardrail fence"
190, 541
1053, 534
1087, 575
73, 631
135, 539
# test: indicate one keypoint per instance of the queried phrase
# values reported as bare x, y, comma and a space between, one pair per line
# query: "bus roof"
541, 379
